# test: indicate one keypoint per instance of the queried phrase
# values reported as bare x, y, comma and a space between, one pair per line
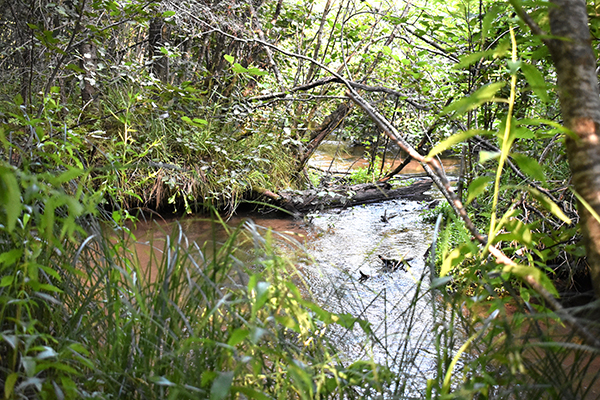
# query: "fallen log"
306, 201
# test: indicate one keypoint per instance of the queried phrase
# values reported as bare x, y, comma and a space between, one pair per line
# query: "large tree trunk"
580, 103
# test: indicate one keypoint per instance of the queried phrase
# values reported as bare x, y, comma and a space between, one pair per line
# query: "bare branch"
326, 81
431, 166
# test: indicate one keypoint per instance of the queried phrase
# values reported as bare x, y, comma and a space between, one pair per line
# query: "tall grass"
81, 317
181, 155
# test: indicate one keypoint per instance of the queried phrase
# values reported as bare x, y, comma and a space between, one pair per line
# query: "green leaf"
288, 322
488, 19
472, 58
10, 197
237, 67
346, 320
542, 121
9, 385
451, 260
10, 257
477, 187
529, 166
195, 122
536, 81
221, 385
485, 156
548, 204
229, 58
167, 14
517, 231
256, 71
523, 271
482, 95
522, 132
513, 66
237, 336
7, 280
70, 174
454, 139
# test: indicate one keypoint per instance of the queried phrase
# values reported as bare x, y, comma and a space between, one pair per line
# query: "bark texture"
88, 63
580, 103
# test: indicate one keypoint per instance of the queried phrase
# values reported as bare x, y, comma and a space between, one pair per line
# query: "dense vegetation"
109, 108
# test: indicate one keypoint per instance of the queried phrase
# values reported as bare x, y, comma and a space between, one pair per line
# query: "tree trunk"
346, 196
329, 124
580, 104
88, 64
157, 36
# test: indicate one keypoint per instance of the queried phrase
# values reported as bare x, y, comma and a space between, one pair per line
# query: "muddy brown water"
339, 157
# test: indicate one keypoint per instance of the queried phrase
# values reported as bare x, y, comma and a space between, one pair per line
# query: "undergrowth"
82, 317
187, 157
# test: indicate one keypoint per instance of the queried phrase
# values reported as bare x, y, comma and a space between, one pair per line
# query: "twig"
329, 80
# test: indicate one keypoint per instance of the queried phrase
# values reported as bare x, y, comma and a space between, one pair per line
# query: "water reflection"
338, 157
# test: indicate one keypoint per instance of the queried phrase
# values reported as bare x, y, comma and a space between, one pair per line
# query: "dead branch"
325, 81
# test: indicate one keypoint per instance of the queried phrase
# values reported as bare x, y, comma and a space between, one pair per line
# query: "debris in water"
363, 277
386, 218
392, 265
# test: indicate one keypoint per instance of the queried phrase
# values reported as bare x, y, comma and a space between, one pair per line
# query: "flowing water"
343, 246
351, 244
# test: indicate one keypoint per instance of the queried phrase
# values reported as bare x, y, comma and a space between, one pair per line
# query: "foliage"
180, 105
82, 316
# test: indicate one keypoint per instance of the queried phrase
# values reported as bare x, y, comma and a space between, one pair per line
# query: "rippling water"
341, 245
394, 303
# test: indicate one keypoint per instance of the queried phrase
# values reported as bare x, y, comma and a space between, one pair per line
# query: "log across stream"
343, 196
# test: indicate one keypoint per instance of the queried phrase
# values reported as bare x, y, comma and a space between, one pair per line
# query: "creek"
339, 245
